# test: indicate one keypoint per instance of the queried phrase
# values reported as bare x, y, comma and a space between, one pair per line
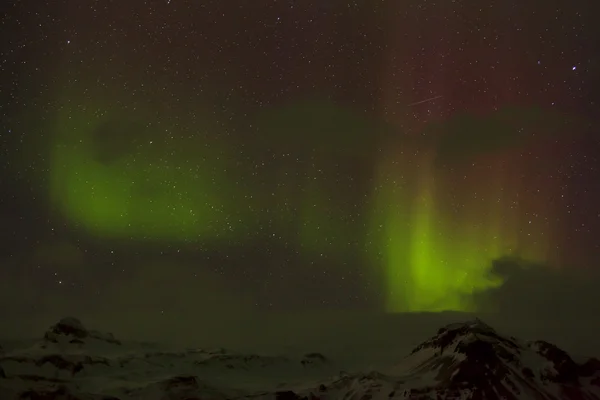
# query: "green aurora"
149, 193
193, 189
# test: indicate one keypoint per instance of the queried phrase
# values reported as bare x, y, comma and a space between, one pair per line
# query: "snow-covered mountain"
464, 360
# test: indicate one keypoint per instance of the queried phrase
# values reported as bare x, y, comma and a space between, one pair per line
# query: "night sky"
236, 156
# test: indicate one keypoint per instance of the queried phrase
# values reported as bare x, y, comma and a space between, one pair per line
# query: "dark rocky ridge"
473, 356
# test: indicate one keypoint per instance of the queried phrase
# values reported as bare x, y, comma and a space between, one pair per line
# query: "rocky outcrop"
71, 330
313, 360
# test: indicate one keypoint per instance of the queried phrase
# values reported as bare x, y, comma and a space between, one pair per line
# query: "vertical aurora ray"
440, 230
427, 278
436, 254
479, 185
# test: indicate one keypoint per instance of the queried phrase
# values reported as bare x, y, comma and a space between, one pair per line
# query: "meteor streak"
424, 101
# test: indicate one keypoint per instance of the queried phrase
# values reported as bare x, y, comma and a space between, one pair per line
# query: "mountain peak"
472, 357
70, 326
461, 336
70, 330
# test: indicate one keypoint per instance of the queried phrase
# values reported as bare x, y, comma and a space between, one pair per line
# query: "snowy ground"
355, 358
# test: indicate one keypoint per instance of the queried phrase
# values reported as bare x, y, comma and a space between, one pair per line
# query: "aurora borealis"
375, 155
143, 190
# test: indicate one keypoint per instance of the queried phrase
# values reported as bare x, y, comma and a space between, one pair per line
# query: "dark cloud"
465, 136
541, 290
560, 304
